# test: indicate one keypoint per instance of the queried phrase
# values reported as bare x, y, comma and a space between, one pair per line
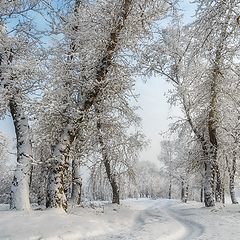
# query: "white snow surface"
141, 219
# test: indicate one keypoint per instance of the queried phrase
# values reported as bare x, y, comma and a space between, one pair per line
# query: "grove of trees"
67, 76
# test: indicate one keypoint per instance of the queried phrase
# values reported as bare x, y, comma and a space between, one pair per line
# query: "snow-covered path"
142, 219
159, 221
193, 229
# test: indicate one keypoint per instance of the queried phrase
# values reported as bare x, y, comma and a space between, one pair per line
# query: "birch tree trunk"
20, 185
232, 172
232, 190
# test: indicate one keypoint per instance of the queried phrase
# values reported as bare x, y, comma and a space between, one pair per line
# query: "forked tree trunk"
20, 185
212, 124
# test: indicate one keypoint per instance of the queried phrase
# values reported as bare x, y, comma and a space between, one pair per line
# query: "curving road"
193, 229
160, 221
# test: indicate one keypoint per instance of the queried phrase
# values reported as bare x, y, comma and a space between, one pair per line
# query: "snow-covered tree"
84, 72
18, 67
198, 60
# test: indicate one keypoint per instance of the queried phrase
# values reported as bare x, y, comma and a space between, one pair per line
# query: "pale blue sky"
155, 110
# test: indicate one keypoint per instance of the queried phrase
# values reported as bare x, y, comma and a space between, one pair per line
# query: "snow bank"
50, 224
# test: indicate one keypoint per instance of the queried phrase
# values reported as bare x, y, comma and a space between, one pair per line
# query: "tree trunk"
76, 182
111, 177
202, 191
170, 190
55, 190
20, 185
201, 194
182, 191
232, 189
218, 187
232, 179
41, 192
186, 194
232, 172
56, 197
208, 192
223, 195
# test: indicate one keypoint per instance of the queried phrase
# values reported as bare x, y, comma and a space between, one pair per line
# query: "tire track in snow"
153, 223
194, 230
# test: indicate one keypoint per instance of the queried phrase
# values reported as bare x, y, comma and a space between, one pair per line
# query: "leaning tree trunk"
111, 177
55, 190
20, 185
76, 182
112, 180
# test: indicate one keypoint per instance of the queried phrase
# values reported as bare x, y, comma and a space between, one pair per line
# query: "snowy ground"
141, 219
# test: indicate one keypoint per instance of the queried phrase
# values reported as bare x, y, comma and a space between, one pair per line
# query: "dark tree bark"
201, 194
107, 164
182, 191
170, 190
